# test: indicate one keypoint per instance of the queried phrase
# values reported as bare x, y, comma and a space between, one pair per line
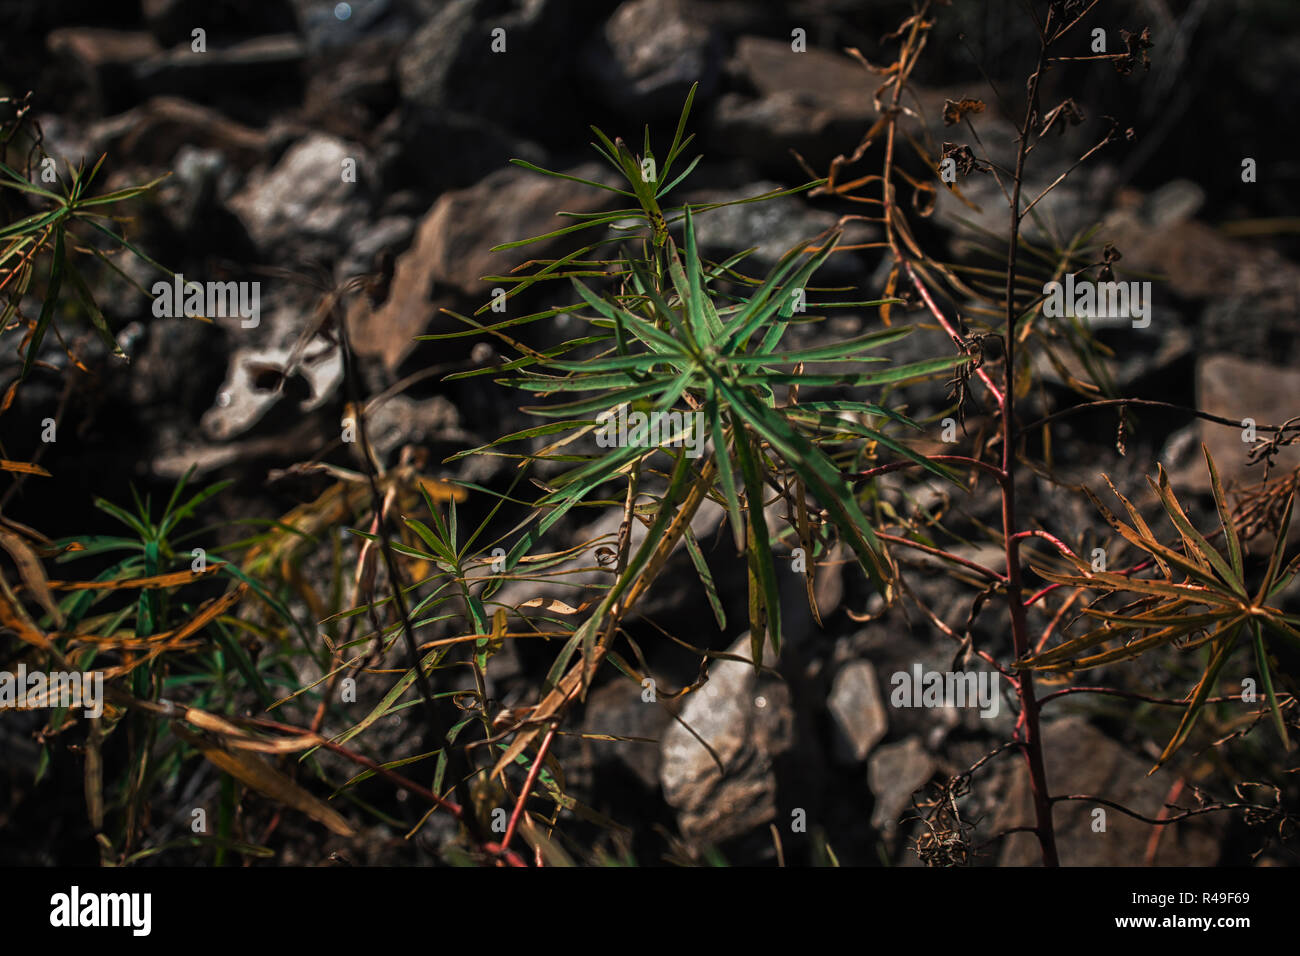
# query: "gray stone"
249, 391
1175, 202
1238, 388
303, 203
449, 63
895, 772
618, 709
772, 227
747, 721
649, 54
401, 420
858, 709
1080, 759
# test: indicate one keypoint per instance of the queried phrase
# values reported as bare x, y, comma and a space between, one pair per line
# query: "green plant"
790, 439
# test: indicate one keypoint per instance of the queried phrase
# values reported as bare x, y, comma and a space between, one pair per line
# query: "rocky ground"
255, 131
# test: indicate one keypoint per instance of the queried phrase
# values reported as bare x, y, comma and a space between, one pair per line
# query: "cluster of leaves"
1200, 598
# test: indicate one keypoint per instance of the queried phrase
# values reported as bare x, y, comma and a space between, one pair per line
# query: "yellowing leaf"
262, 777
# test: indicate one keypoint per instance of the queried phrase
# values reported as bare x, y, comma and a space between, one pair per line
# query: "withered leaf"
1135, 51
965, 159
33, 575
954, 111
1069, 112
261, 776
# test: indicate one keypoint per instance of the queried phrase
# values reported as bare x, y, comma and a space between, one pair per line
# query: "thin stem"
1019, 626
1129, 695
528, 785
947, 327
436, 727
943, 459
1146, 403
943, 555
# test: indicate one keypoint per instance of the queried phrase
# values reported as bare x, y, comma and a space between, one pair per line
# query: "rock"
1251, 294
618, 709
96, 64
510, 204
172, 21
416, 153
383, 238
189, 198
249, 391
400, 420
251, 79
748, 722
1238, 388
429, 59
158, 384
823, 79
449, 63
772, 226
895, 772
858, 709
1144, 354
647, 56
154, 132
411, 306
1080, 759
659, 602
327, 32
300, 209
816, 102
1173, 203
350, 90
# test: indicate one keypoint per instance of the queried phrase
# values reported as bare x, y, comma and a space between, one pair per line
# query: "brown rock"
153, 132
1238, 388
508, 205
1082, 760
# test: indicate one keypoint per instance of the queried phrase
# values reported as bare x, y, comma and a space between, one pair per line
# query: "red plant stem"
1040, 594
947, 326
1056, 619
1030, 732
1046, 536
940, 553
1153, 844
528, 786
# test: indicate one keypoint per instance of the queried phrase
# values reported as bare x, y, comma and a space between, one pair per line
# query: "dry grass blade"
33, 575
262, 777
